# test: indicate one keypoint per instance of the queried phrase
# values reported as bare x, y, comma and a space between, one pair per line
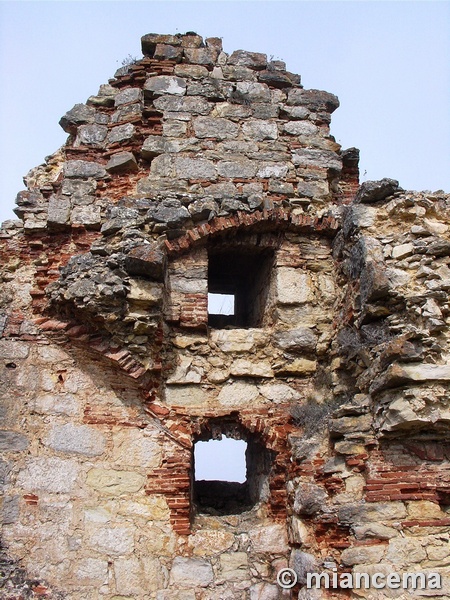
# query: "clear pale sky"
388, 62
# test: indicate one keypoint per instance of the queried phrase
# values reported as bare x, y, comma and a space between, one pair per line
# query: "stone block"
209, 542
306, 158
372, 512
75, 439
246, 368
58, 211
258, 129
234, 566
194, 168
238, 168
12, 349
402, 251
83, 169
160, 85
195, 105
114, 541
136, 448
147, 260
128, 95
11, 441
110, 482
374, 530
76, 116
251, 91
9, 509
151, 40
191, 572
52, 475
314, 100
239, 340
91, 135
151, 508
121, 133
376, 191
275, 170
278, 392
88, 216
202, 56
293, 286
191, 71
217, 128
362, 555
264, 591
424, 509
144, 293
269, 538
186, 396
405, 551
252, 60
91, 572
302, 339
122, 162
301, 128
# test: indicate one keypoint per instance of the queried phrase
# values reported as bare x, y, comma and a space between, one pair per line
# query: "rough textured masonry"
195, 171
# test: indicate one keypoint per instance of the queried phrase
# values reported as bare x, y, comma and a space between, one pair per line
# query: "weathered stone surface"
75, 439
58, 211
253, 60
11, 349
298, 340
91, 135
84, 169
191, 572
114, 541
52, 475
375, 191
194, 168
374, 530
210, 542
362, 555
272, 538
195, 105
91, 571
165, 84
202, 56
221, 129
246, 368
76, 116
239, 168
128, 95
264, 591
278, 392
239, 340
121, 133
373, 512
151, 40
234, 566
9, 509
148, 260
124, 161
169, 211
300, 128
54, 404
258, 129
238, 394
324, 159
250, 91
136, 449
114, 483
293, 286
314, 100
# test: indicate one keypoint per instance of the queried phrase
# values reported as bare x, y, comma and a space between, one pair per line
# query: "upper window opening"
240, 277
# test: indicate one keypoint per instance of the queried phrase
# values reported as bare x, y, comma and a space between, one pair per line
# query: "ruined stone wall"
188, 163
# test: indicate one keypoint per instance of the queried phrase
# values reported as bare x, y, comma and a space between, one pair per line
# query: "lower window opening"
230, 472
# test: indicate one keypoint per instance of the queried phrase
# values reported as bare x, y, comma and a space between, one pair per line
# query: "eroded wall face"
335, 370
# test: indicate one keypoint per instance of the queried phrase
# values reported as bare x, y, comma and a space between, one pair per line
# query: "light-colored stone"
278, 392
264, 591
91, 571
114, 483
424, 509
238, 394
208, 542
76, 439
11, 349
136, 448
300, 128
239, 340
269, 538
217, 128
362, 554
144, 293
165, 84
402, 251
186, 395
258, 129
405, 551
191, 572
246, 368
114, 541
151, 508
374, 530
234, 566
299, 366
53, 475
293, 286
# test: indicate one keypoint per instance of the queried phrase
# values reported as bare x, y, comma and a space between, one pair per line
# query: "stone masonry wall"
110, 370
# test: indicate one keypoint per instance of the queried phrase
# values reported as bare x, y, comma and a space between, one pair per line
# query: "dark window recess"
244, 274
218, 497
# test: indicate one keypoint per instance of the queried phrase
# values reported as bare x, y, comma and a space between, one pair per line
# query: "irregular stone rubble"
110, 371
